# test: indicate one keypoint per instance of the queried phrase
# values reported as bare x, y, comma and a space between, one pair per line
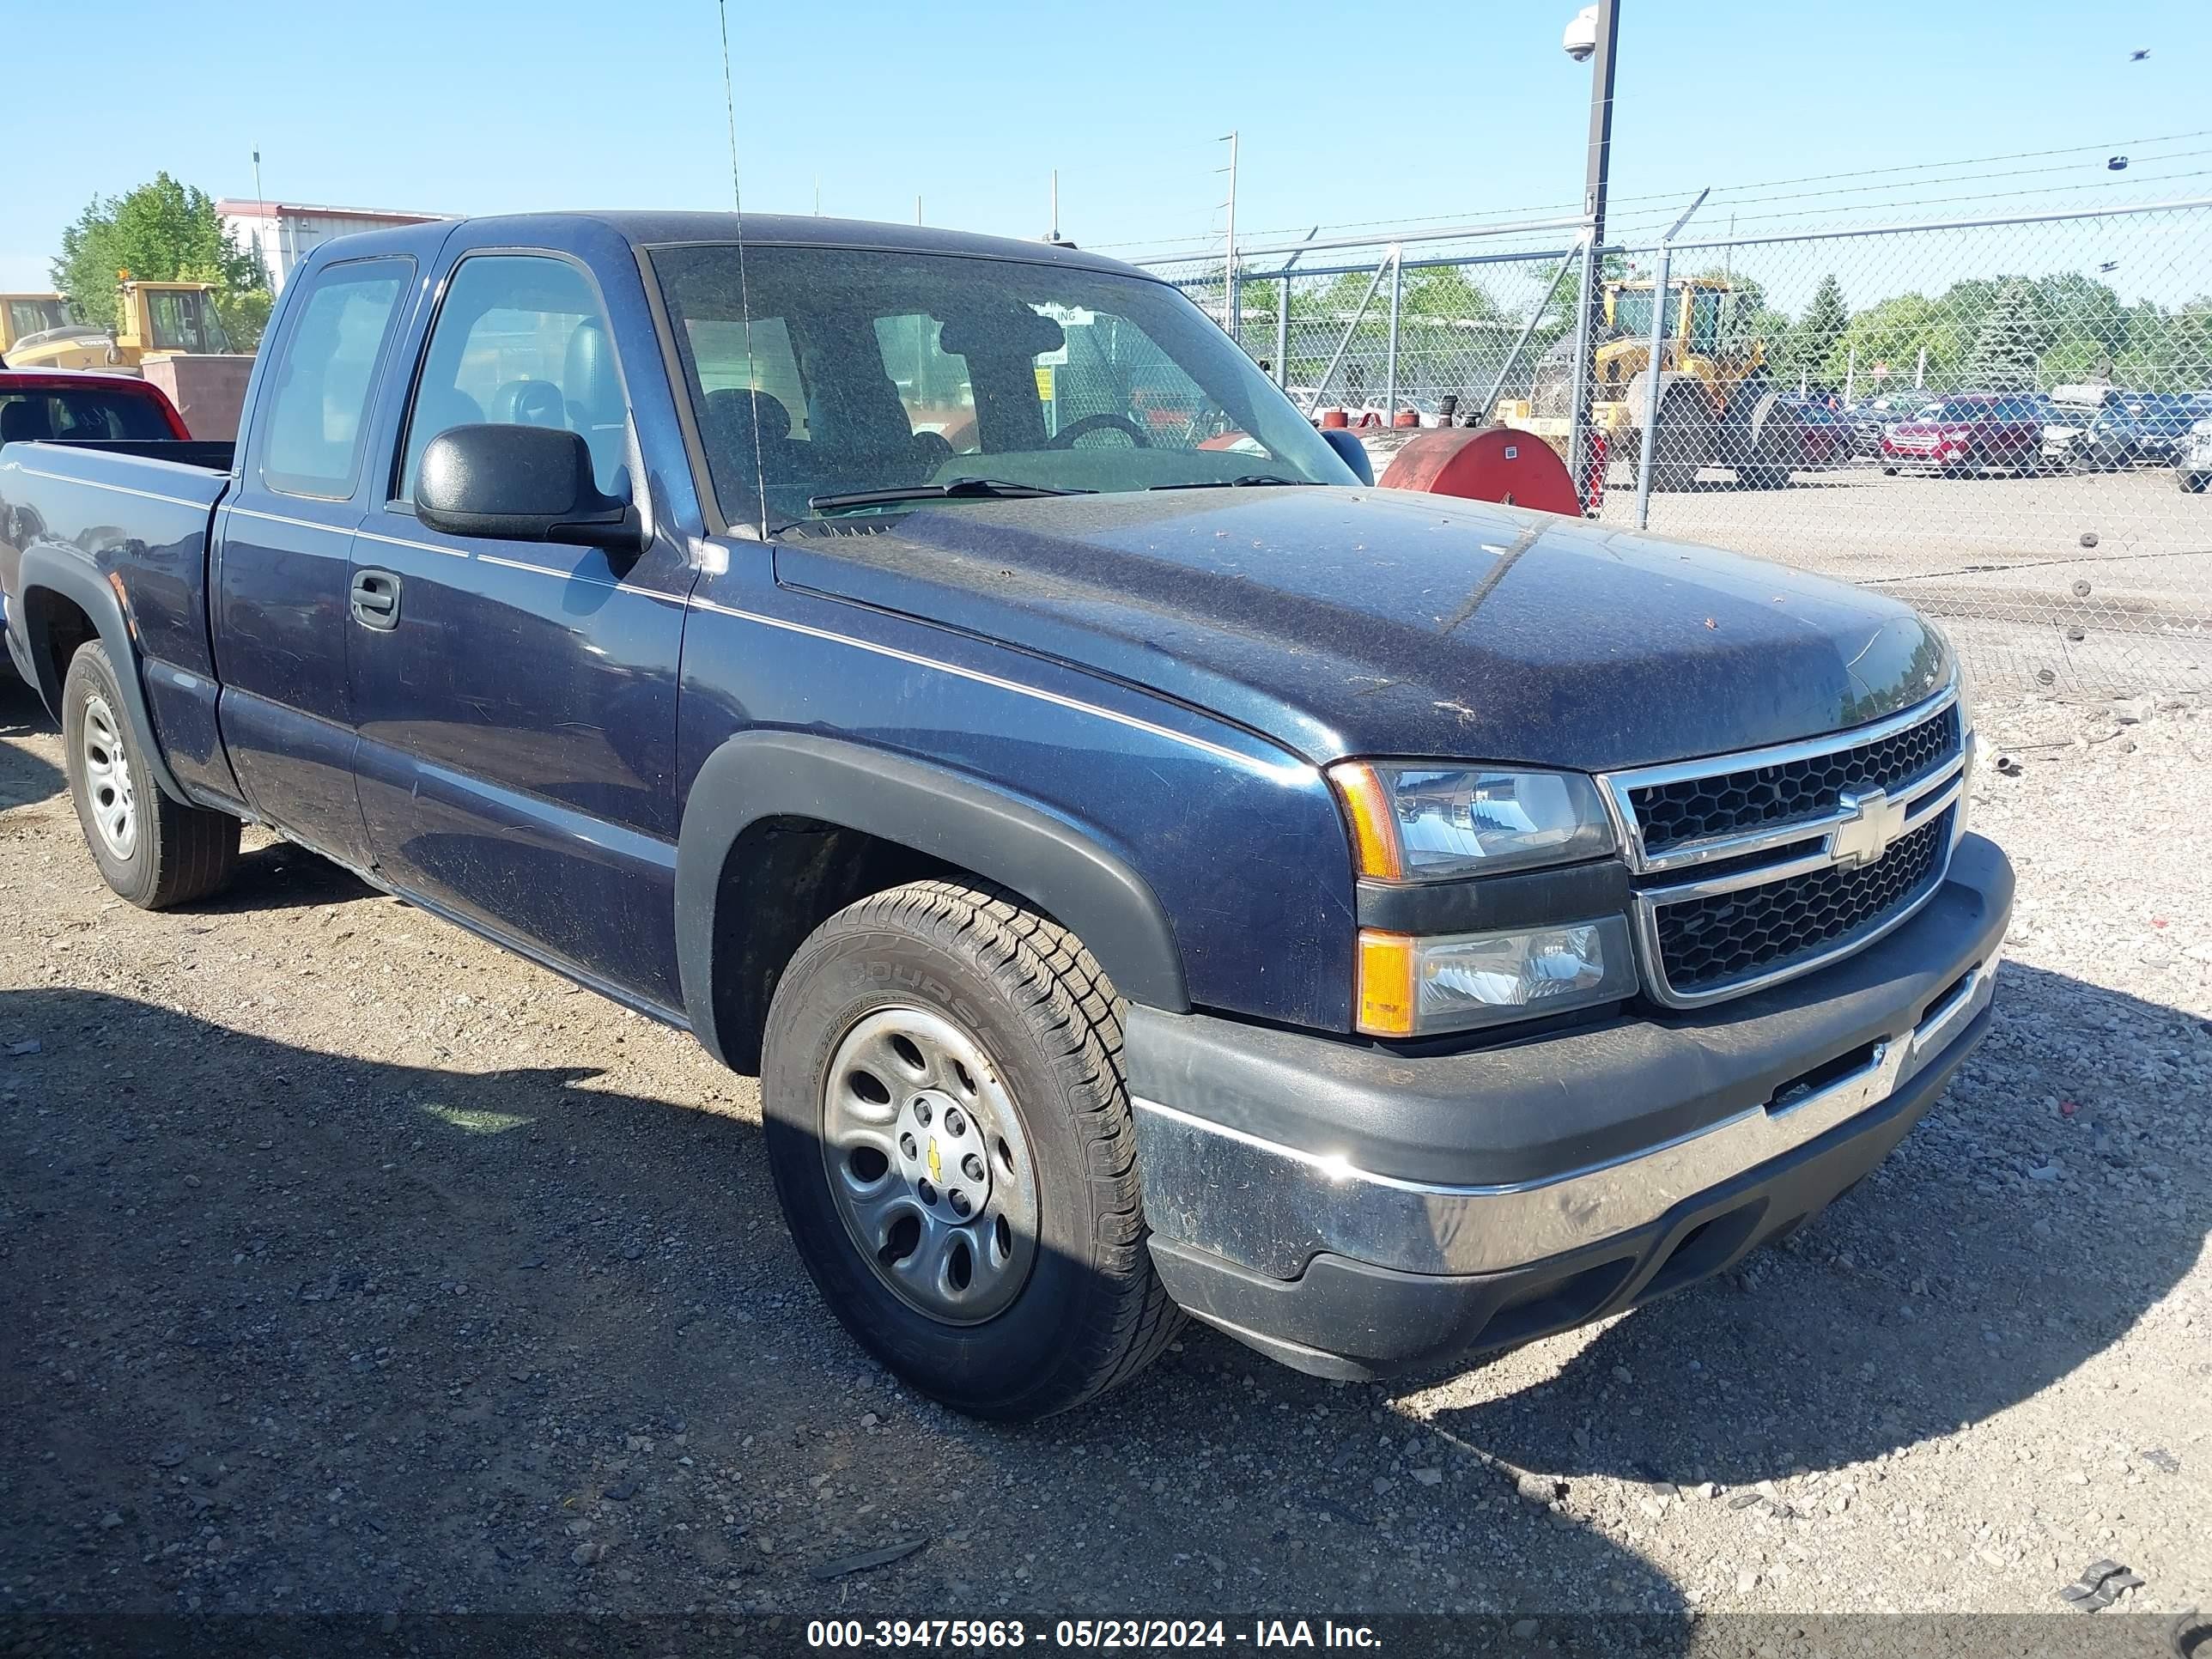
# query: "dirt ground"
347, 1263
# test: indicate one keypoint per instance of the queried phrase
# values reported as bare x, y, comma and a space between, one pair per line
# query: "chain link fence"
1991, 418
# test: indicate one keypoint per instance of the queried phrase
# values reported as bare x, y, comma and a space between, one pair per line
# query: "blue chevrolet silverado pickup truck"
1149, 870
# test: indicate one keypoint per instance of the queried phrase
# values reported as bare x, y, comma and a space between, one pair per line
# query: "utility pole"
1596, 179
1228, 306
1055, 236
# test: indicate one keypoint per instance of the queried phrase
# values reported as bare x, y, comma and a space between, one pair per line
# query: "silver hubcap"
108, 780
927, 1164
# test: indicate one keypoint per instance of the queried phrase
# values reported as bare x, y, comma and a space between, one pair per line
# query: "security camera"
1580, 40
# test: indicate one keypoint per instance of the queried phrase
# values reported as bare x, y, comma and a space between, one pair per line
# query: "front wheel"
952, 1143
152, 851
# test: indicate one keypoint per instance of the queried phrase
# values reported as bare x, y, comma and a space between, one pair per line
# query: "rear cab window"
326, 375
97, 412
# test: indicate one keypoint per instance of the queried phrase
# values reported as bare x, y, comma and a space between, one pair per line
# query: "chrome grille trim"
1804, 846
1619, 787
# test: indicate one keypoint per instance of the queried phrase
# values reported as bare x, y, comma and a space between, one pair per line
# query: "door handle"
375, 599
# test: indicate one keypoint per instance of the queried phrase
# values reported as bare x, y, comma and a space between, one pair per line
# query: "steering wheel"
1105, 420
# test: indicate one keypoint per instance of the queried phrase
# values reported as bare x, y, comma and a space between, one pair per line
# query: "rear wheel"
2190, 483
952, 1145
151, 850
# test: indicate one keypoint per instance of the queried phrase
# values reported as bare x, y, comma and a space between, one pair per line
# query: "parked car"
74, 403
71, 404
1821, 434
1871, 416
1966, 432
2192, 460
2133, 434
1099, 845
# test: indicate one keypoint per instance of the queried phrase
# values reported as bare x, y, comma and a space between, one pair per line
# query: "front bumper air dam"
1353, 1213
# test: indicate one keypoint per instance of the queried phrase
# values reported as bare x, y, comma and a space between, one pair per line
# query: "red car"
1965, 433
78, 404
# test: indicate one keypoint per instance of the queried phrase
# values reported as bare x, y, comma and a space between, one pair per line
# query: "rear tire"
1683, 443
153, 851
939, 1028
2191, 483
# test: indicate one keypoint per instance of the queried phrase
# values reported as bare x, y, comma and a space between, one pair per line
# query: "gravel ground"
2099, 582
349, 1264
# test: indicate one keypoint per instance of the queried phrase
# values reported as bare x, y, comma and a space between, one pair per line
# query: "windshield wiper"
1243, 481
992, 490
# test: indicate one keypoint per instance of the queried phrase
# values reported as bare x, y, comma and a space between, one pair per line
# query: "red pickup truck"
75, 403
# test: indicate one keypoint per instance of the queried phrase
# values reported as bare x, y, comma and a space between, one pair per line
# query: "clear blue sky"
1347, 113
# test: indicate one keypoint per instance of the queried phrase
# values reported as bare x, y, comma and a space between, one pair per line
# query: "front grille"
1768, 796
1707, 942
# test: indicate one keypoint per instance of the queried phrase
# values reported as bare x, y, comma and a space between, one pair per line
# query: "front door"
517, 701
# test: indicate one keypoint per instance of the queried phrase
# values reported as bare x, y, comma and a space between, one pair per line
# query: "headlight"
1412, 987
1431, 822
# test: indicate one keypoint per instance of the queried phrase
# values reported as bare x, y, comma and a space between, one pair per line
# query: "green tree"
1812, 340
2009, 342
160, 232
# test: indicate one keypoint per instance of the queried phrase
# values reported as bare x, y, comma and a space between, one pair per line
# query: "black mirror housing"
1353, 452
521, 483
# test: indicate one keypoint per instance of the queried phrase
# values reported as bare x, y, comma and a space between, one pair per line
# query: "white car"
2192, 459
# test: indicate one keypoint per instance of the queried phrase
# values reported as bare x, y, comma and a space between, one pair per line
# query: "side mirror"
1353, 452
521, 483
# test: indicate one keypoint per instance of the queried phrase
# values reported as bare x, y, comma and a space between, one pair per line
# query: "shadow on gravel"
402, 1335
283, 877
392, 1335
25, 778
2004, 1244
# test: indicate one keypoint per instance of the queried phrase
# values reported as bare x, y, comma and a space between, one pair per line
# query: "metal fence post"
1652, 360
1851, 372
1282, 331
1648, 442
1390, 354
1578, 399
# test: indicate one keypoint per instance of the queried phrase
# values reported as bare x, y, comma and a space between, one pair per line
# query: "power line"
1736, 195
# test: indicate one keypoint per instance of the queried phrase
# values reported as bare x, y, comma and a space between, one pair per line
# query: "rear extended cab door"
284, 534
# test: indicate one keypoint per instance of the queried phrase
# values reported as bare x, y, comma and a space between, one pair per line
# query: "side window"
326, 378
520, 340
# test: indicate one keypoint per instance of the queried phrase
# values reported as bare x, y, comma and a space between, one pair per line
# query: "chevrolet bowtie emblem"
936, 1171
1871, 821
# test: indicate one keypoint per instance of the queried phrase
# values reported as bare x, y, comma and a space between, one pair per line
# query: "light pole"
1591, 36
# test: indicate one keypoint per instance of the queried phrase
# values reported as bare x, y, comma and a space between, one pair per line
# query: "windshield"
1955, 410
34, 316
183, 319
1631, 311
872, 370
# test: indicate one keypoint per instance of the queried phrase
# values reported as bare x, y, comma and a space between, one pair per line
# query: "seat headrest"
25, 421
588, 376
727, 408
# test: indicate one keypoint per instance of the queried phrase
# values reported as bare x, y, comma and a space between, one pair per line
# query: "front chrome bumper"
1273, 1207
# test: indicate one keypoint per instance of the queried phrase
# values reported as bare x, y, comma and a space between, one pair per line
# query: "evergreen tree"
1813, 340
2007, 345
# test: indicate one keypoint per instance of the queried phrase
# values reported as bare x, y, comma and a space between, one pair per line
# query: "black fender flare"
48, 570
949, 815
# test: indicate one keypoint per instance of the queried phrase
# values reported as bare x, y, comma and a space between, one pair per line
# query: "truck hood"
1371, 622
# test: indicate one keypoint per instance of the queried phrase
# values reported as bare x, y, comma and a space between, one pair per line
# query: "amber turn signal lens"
1367, 804
1386, 983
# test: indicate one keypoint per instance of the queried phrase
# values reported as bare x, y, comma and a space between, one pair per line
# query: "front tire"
152, 851
952, 1142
